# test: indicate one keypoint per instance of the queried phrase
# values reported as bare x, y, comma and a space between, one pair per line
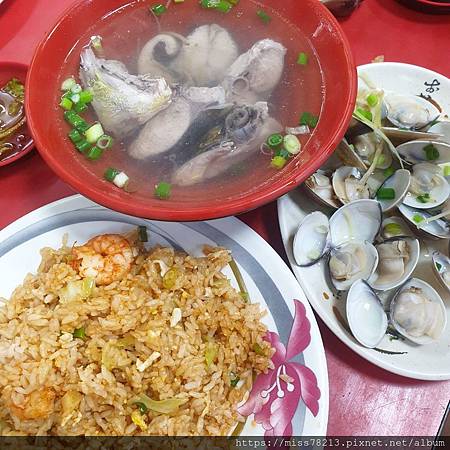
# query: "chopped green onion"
79, 107
83, 146
278, 162
418, 218
75, 98
438, 266
431, 152
424, 198
142, 232
283, 153
302, 59
76, 89
66, 104
274, 140
392, 228
446, 171
68, 84
372, 100
105, 142
158, 9
292, 144
142, 408
162, 190
381, 159
94, 153
166, 406
258, 349
75, 136
211, 352
389, 172
94, 133
86, 96
76, 121
309, 119
221, 5
96, 44
365, 113
121, 180
110, 174
386, 194
264, 16
234, 379
79, 333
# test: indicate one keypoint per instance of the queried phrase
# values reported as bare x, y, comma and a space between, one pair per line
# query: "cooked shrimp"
105, 258
37, 405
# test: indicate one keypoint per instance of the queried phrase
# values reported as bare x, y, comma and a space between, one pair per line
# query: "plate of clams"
368, 234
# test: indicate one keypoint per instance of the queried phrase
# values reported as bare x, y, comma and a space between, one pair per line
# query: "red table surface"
364, 400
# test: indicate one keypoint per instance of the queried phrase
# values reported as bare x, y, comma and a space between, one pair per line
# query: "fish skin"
222, 157
122, 101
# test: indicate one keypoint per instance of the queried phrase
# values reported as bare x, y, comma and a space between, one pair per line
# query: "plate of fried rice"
111, 325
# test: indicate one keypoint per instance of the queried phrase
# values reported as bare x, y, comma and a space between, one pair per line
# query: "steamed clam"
319, 185
418, 312
441, 266
347, 184
400, 182
419, 151
365, 146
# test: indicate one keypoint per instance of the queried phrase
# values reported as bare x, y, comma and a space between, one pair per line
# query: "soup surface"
124, 34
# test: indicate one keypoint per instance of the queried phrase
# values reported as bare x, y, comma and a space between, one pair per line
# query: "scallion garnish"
264, 16
75, 98
302, 59
162, 190
79, 333
76, 121
94, 133
82, 146
142, 233
221, 5
372, 100
234, 380
308, 119
278, 162
418, 218
158, 9
66, 103
446, 171
110, 174
424, 198
75, 136
438, 266
292, 144
94, 153
96, 44
389, 172
104, 142
386, 194
283, 153
121, 180
79, 107
365, 113
431, 152
76, 89
68, 84
142, 408
86, 97
274, 141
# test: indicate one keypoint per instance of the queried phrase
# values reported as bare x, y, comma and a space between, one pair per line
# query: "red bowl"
338, 91
10, 70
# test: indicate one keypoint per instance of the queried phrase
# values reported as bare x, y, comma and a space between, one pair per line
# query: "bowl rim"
231, 206
27, 149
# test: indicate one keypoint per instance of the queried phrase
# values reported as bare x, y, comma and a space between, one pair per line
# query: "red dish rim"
230, 208
27, 149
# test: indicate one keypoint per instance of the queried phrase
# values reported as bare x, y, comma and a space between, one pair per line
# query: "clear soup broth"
124, 33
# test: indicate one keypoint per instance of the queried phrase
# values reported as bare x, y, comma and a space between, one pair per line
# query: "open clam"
437, 229
399, 182
430, 151
347, 184
441, 267
365, 146
350, 262
409, 112
359, 221
394, 227
428, 188
320, 187
311, 239
418, 312
397, 259
365, 315
442, 129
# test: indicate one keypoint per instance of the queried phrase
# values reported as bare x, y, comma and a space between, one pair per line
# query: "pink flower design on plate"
275, 395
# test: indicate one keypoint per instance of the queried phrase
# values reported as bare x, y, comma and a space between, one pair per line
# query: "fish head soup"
189, 102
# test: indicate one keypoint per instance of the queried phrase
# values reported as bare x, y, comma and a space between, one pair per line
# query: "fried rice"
169, 347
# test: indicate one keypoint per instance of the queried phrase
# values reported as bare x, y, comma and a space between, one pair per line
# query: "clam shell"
434, 230
370, 263
321, 194
338, 182
348, 156
365, 315
439, 194
430, 293
413, 151
441, 265
384, 282
311, 239
442, 129
404, 228
400, 182
359, 220
398, 135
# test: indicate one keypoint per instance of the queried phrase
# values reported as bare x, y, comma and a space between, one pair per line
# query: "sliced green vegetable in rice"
167, 406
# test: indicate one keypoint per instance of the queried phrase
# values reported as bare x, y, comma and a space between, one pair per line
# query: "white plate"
268, 279
430, 362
